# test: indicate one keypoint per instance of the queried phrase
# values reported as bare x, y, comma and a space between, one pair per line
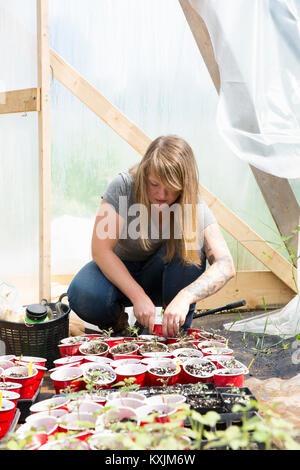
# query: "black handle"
237, 304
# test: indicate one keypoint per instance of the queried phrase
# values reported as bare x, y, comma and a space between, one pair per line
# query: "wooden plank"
20, 101
251, 286
44, 150
140, 141
250, 240
97, 103
277, 192
283, 206
203, 41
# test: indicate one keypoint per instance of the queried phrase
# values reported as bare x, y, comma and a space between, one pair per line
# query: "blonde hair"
171, 161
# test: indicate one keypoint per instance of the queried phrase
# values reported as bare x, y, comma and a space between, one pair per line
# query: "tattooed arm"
221, 268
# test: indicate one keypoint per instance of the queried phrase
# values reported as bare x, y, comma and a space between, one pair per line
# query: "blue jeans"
97, 301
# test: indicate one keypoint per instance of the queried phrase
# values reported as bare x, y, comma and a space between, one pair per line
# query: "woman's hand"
175, 314
144, 311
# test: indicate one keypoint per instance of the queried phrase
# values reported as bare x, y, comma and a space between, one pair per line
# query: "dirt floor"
274, 359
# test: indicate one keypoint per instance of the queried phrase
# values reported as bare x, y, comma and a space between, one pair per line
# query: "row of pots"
89, 420
112, 348
17, 382
147, 372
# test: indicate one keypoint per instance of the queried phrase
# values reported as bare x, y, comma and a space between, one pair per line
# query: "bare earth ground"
276, 361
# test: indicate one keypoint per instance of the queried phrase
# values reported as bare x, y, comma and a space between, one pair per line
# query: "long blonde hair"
171, 160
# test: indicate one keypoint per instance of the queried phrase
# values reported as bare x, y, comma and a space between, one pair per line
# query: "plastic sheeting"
284, 322
257, 48
283, 394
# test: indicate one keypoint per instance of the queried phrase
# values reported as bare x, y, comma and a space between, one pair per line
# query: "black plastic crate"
39, 340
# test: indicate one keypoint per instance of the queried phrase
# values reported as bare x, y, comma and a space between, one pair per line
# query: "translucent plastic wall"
19, 152
140, 55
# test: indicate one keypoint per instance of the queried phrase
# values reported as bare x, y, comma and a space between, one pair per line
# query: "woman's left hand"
175, 314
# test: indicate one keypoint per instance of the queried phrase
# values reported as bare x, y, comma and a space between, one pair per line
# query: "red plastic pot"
235, 379
214, 351
65, 377
87, 353
125, 362
55, 403
28, 383
115, 355
102, 368
4, 364
194, 331
137, 371
40, 361
69, 361
11, 396
113, 341
70, 421
69, 349
155, 379
40, 374
7, 413
158, 330
11, 386
163, 412
191, 378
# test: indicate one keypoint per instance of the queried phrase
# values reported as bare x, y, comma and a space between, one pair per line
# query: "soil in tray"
206, 402
231, 400
181, 389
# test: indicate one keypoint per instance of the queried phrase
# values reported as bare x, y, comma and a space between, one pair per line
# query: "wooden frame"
139, 141
280, 281
20, 101
44, 150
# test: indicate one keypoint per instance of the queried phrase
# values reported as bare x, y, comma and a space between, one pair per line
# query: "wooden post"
44, 150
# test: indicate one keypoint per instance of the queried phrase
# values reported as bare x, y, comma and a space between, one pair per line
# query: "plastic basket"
39, 340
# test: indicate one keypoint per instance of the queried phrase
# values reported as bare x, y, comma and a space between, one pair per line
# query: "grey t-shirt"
119, 194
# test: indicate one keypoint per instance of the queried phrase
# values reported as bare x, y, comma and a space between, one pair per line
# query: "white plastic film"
257, 48
283, 322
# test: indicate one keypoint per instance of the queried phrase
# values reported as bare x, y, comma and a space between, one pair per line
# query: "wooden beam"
140, 141
251, 286
283, 206
97, 103
250, 240
44, 150
20, 101
277, 192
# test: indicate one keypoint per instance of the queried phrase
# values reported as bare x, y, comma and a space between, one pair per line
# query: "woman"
151, 239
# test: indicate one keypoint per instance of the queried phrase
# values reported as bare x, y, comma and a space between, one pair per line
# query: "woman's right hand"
144, 311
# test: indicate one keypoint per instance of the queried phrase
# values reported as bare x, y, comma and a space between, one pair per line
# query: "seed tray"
217, 404
25, 403
184, 389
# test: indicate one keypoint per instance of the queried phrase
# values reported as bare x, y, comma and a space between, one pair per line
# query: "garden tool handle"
237, 304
